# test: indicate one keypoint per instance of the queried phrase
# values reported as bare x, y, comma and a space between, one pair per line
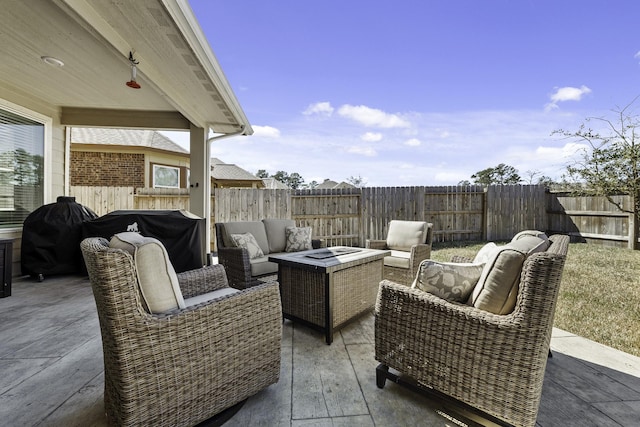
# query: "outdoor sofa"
245, 258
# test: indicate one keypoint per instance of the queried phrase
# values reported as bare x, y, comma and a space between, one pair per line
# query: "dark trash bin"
51, 238
181, 232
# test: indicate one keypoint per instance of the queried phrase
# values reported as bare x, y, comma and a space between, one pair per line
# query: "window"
21, 168
166, 177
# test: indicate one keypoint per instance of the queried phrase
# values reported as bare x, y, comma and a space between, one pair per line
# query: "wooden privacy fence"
350, 216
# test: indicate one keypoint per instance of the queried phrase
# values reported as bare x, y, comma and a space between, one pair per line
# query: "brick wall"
107, 169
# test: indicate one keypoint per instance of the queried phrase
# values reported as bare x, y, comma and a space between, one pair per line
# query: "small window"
166, 177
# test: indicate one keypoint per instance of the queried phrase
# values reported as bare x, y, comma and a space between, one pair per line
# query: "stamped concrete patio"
51, 374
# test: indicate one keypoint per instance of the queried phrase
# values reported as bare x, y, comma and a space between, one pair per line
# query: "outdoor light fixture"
133, 83
52, 61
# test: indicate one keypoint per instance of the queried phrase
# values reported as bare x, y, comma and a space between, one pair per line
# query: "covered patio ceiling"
181, 81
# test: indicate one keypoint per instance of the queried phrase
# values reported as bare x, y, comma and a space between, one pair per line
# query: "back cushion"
256, 228
497, 288
275, 229
157, 279
404, 234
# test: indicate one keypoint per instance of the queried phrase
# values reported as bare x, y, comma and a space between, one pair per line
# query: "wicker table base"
327, 293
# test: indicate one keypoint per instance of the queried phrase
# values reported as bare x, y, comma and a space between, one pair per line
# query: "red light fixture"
133, 83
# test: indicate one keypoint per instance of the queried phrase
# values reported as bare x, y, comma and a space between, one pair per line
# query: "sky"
419, 92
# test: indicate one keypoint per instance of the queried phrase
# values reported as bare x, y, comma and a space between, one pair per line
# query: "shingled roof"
222, 171
125, 137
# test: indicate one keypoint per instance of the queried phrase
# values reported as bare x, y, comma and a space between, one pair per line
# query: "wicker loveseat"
244, 268
492, 363
185, 365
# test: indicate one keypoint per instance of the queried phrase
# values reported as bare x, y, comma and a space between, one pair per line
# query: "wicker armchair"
493, 364
402, 265
183, 367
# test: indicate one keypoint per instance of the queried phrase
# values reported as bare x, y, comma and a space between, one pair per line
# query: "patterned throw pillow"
298, 239
448, 280
248, 242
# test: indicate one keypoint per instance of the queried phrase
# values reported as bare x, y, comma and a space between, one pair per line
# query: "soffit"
177, 69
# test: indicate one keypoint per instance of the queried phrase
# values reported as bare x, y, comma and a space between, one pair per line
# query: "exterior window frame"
174, 168
47, 122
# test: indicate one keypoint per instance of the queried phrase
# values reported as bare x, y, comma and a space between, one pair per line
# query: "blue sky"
419, 92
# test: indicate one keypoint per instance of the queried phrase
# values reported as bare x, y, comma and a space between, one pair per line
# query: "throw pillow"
448, 280
298, 239
157, 279
248, 242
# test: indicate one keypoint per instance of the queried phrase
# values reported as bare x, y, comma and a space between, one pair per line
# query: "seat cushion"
298, 239
256, 228
262, 266
157, 279
497, 288
448, 280
404, 234
248, 242
218, 293
275, 229
398, 259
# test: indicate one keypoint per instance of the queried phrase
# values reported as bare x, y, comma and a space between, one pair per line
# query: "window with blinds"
21, 168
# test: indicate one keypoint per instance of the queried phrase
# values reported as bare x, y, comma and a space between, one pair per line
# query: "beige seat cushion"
219, 293
157, 279
497, 288
404, 234
275, 229
398, 259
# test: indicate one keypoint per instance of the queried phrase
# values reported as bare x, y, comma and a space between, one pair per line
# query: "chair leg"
381, 375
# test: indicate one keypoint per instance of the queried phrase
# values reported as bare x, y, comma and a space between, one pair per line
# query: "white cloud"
319, 108
637, 55
371, 137
413, 142
266, 131
566, 93
362, 150
372, 116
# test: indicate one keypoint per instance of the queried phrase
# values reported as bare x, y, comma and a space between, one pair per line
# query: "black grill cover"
179, 231
51, 238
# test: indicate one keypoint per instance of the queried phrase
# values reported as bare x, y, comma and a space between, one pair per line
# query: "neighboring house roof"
327, 183
125, 137
221, 171
274, 184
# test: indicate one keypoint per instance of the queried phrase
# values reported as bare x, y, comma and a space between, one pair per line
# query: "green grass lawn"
599, 296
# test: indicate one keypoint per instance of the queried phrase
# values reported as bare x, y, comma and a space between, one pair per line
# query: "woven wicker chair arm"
202, 280
461, 259
375, 244
237, 265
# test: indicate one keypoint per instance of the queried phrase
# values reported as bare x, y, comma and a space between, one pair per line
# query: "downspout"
208, 186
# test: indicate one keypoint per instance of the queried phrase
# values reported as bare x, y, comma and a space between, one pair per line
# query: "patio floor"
51, 373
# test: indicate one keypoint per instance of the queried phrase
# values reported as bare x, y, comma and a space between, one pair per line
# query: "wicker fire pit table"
327, 288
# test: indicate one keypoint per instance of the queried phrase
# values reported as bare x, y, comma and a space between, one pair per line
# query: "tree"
501, 174
311, 185
356, 181
609, 165
535, 177
464, 182
295, 180
262, 173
